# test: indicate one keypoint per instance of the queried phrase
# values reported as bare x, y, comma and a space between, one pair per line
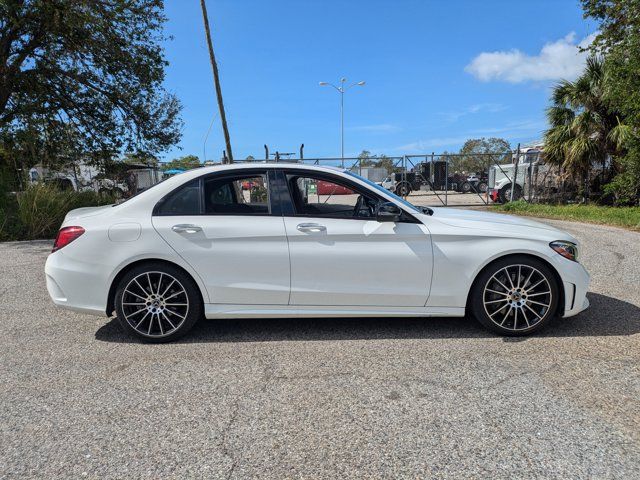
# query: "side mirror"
388, 212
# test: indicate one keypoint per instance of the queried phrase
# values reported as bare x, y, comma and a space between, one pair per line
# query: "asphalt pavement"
323, 398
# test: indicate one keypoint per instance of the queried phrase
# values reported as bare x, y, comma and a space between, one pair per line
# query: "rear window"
184, 200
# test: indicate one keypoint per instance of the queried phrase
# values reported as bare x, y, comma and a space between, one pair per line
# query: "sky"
437, 72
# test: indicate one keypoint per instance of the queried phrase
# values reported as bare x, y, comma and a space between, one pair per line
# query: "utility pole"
216, 80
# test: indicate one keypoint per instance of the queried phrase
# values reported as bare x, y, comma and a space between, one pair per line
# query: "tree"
478, 154
619, 41
186, 162
364, 159
584, 129
91, 68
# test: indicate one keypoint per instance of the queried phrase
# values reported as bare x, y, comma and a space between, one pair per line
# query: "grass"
625, 217
39, 210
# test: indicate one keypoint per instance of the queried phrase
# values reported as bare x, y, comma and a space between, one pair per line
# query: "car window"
184, 200
236, 195
323, 197
385, 191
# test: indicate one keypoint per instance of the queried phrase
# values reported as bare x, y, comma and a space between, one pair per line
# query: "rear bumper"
74, 285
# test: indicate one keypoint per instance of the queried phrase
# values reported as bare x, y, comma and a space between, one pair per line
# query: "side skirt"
310, 311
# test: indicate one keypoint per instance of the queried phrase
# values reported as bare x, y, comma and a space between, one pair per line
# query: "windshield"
382, 189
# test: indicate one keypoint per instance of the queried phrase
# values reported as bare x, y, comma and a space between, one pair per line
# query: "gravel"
341, 398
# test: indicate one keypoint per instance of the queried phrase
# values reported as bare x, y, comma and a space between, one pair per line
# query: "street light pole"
342, 122
341, 89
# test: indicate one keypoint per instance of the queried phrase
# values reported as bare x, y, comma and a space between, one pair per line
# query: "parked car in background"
196, 245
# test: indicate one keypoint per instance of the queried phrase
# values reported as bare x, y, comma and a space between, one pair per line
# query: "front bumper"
575, 280
494, 195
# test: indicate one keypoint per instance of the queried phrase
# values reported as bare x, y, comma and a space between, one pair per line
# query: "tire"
505, 193
142, 307
515, 305
465, 187
403, 190
483, 187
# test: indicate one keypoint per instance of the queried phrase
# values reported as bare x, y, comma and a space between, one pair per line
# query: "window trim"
274, 208
290, 209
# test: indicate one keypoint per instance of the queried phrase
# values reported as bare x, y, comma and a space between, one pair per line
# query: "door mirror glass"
388, 212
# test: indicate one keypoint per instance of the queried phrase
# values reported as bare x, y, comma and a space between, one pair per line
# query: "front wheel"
515, 296
157, 302
505, 193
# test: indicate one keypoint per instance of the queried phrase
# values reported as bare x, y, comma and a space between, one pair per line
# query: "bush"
10, 226
39, 211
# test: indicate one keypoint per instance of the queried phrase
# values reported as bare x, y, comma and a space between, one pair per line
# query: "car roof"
254, 164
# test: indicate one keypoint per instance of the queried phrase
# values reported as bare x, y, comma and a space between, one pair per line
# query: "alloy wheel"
517, 297
155, 304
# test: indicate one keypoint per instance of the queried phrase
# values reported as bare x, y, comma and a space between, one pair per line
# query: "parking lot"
324, 398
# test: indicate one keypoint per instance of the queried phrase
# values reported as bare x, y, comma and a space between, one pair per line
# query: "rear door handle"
186, 228
311, 227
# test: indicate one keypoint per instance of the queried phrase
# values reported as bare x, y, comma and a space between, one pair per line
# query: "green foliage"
618, 40
627, 217
585, 128
186, 162
480, 153
625, 187
83, 78
39, 210
378, 161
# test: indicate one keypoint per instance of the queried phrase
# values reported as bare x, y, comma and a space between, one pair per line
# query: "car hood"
85, 212
498, 222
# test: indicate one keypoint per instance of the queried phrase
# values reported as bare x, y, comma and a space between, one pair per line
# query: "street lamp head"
361, 83
322, 84
343, 79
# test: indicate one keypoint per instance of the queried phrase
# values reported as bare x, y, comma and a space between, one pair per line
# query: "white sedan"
290, 240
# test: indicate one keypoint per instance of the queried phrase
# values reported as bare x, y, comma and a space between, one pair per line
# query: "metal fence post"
446, 182
514, 182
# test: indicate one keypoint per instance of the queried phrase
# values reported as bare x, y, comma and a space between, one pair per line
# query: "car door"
226, 227
340, 254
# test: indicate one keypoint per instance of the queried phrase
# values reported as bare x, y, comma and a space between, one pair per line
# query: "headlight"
566, 249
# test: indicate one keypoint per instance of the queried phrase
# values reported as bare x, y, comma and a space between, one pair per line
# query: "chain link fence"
449, 179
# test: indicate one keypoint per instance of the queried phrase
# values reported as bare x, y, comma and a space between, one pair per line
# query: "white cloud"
556, 60
455, 115
424, 146
510, 130
378, 128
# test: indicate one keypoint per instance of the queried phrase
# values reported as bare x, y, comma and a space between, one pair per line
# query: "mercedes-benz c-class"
293, 240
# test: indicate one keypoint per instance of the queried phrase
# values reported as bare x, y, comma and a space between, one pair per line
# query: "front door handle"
186, 228
311, 227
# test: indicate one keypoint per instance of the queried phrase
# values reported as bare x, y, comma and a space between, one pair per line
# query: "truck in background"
501, 177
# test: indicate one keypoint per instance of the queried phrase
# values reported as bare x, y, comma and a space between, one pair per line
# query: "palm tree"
584, 129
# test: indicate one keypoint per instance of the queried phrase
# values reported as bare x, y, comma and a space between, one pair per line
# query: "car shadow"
607, 316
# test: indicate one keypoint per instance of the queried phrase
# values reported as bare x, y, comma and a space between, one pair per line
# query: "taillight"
65, 236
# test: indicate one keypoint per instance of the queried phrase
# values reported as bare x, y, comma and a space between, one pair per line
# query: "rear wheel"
403, 190
515, 296
465, 187
482, 187
157, 302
